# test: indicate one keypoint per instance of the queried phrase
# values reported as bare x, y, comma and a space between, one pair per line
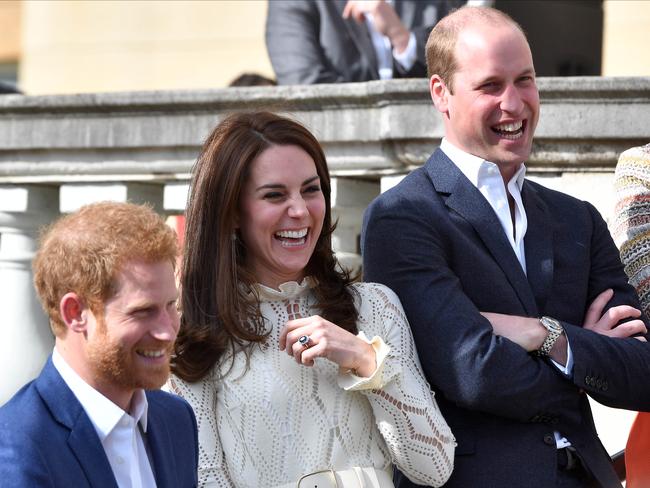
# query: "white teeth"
151, 354
292, 234
510, 127
511, 137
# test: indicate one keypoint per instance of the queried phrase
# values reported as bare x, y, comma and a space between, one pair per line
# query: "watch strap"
555, 330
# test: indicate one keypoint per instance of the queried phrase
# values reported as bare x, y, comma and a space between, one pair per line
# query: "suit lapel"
538, 243
160, 444
468, 202
361, 38
83, 440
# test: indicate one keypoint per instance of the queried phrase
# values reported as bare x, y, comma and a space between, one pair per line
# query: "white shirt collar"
103, 413
477, 169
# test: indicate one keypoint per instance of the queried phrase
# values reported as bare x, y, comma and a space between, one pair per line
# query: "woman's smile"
281, 215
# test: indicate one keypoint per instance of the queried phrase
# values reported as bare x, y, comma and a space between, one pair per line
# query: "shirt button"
549, 439
120, 460
125, 422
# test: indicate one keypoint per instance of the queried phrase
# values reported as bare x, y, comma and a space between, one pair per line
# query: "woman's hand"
327, 340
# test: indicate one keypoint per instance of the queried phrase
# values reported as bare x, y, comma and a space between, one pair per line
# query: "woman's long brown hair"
217, 313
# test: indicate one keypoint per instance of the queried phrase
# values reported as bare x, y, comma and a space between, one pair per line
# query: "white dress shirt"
486, 177
117, 430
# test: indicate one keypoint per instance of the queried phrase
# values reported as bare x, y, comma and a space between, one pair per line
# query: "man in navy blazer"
515, 293
94, 416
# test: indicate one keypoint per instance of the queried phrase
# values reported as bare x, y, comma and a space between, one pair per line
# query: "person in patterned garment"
297, 376
632, 236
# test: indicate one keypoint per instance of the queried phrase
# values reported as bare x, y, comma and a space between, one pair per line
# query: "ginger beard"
113, 363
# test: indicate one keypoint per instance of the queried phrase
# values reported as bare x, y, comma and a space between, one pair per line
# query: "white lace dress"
280, 420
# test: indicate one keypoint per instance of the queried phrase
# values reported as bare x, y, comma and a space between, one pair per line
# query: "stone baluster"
350, 197
26, 335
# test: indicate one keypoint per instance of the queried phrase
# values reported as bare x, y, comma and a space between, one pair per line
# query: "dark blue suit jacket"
46, 439
438, 244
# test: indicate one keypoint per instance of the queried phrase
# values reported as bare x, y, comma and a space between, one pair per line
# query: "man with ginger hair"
94, 416
515, 293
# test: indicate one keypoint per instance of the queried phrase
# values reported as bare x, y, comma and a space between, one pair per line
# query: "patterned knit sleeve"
202, 396
406, 413
631, 228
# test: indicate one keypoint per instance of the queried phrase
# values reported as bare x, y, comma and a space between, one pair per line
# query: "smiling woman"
298, 377
281, 214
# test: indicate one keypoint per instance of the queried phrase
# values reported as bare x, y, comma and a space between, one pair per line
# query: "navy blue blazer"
438, 244
46, 439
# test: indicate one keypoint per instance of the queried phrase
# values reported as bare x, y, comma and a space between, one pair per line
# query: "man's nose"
167, 325
511, 100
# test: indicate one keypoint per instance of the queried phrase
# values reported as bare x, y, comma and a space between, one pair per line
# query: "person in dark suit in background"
515, 293
105, 276
335, 41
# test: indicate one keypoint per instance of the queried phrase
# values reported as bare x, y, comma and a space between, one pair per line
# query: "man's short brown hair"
84, 251
441, 44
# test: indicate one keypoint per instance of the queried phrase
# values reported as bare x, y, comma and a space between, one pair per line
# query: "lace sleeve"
418, 437
202, 396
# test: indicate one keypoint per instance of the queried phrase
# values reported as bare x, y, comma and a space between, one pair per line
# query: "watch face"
551, 324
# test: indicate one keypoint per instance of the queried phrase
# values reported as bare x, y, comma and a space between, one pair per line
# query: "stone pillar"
350, 197
176, 196
26, 335
387, 182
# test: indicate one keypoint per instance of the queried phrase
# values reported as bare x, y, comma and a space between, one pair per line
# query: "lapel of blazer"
83, 439
160, 444
361, 37
538, 244
468, 202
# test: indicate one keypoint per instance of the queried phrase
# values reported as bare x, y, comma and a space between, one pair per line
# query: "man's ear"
439, 93
73, 312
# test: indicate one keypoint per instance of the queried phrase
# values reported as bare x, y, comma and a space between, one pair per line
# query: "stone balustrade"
59, 152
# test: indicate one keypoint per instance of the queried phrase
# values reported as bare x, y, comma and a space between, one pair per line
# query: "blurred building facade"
98, 46
108, 45
10, 32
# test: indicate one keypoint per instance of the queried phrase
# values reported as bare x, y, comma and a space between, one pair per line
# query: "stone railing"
59, 152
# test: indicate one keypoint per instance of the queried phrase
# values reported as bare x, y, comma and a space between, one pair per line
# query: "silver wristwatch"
555, 330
